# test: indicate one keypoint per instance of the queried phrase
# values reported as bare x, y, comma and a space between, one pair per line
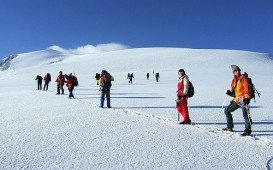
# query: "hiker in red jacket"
182, 96
60, 83
70, 79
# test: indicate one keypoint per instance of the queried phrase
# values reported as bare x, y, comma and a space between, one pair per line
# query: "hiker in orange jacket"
241, 93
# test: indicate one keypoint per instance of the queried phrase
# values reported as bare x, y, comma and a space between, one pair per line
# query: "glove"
231, 94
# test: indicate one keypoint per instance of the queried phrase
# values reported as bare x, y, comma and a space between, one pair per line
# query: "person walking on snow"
182, 96
39, 81
156, 76
47, 79
105, 83
70, 83
131, 76
60, 83
241, 93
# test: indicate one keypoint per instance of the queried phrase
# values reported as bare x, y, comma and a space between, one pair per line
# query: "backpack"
107, 82
49, 77
190, 90
75, 81
253, 89
107, 78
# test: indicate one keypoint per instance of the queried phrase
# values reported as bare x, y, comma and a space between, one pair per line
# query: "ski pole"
222, 107
254, 135
178, 117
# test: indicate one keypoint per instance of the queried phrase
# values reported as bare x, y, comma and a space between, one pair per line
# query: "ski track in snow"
205, 129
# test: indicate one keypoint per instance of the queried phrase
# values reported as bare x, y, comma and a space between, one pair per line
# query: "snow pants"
39, 86
46, 86
71, 92
60, 87
182, 108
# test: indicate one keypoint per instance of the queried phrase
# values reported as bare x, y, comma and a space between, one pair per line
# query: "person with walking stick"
242, 93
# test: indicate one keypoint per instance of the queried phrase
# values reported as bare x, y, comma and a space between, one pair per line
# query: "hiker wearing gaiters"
182, 96
242, 91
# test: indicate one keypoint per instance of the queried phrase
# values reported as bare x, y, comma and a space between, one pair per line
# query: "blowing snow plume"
89, 49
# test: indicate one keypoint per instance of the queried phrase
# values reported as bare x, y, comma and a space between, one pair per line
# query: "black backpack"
107, 78
75, 81
190, 90
107, 82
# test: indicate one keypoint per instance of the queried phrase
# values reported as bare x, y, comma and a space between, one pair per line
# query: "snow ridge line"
206, 129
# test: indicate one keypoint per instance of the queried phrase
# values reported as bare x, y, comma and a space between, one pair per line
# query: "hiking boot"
185, 122
228, 129
101, 106
57, 93
109, 106
246, 133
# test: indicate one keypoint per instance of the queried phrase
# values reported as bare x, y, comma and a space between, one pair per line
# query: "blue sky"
28, 25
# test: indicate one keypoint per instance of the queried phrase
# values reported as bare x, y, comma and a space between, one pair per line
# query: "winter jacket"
39, 79
241, 87
47, 78
183, 86
70, 82
60, 80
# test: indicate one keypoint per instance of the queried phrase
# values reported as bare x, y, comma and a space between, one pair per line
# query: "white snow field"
40, 130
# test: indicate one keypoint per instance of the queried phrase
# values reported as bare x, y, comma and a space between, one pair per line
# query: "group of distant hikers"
242, 90
70, 80
156, 76
130, 77
46, 79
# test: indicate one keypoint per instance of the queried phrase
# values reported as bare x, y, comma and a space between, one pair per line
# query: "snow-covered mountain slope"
53, 55
40, 130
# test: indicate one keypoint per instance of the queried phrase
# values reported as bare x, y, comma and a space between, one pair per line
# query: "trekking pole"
261, 158
178, 117
222, 107
248, 116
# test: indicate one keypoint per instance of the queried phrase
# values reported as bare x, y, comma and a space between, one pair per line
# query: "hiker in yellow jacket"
242, 93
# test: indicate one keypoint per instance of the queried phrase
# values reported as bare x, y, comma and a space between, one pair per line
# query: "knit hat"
234, 68
181, 70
